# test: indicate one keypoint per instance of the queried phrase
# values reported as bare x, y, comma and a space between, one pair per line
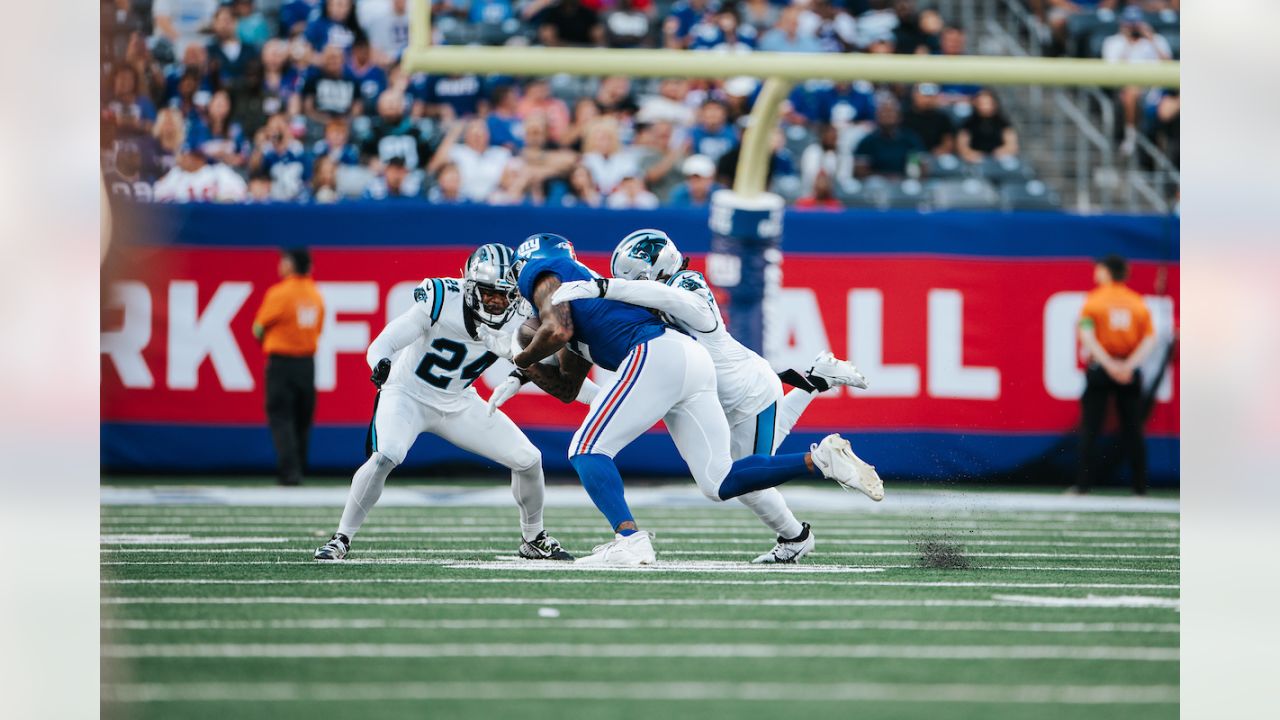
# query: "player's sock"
790, 408
771, 508
796, 380
527, 487
757, 472
366, 488
603, 484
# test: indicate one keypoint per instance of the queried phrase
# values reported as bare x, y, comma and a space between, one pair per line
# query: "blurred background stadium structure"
231, 129
246, 83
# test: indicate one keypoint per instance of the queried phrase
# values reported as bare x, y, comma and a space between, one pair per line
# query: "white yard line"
1092, 601
655, 624
680, 495
246, 523
454, 539
595, 528
665, 692
1154, 602
749, 582
721, 652
184, 539
435, 561
682, 553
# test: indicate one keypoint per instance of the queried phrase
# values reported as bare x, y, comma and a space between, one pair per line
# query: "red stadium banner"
948, 344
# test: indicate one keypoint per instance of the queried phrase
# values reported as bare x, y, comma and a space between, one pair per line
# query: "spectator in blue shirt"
954, 43
228, 56
337, 26
788, 36
699, 183
195, 63
681, 18
217, 136
447, 97
337, 145
134, 114
277, 153
822, 101
505, 126
492, 12
713, 136
330, 89
396, 183
251, 26
723, 32
887, 149
295, 14
370, 78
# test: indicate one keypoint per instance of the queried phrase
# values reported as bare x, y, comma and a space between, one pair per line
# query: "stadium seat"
352, 180
966, 194
788, 186
798, 137
906, 195
943, 167
1003, 170
1030, 195
1082, 26
856, 194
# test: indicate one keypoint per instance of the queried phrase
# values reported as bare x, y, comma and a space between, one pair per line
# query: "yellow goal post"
778, 70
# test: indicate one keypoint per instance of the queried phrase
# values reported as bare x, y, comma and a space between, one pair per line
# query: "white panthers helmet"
646, 254
490, 267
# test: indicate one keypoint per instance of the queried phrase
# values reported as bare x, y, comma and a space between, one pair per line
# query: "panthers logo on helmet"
647, 249
690, 282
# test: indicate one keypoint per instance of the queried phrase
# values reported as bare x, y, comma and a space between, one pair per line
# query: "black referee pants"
291, 405
1099, 389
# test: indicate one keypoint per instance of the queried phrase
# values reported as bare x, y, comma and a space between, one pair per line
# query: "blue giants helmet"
543, 245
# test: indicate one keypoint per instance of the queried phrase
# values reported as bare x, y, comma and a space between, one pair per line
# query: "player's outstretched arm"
687, 307
563, 382
556, 329
397, 335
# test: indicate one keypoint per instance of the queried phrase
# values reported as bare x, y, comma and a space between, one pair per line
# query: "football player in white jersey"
424, 363
760, 416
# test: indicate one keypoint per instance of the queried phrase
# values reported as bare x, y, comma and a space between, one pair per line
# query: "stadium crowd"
304, 101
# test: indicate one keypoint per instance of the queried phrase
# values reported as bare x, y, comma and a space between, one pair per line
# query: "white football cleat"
789, 551
837, 372
836, 460
627, 551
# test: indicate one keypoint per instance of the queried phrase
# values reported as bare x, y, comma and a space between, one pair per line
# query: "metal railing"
1071, 139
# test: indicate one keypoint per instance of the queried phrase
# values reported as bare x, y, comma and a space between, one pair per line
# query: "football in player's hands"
380, 372
526, 331
524, 336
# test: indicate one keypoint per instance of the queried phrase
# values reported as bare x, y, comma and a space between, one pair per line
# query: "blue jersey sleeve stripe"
437, 299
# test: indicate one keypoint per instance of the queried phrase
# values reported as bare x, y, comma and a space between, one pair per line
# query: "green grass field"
217, 611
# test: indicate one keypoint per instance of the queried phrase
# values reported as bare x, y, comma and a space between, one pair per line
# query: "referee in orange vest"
288, 325
1116, 336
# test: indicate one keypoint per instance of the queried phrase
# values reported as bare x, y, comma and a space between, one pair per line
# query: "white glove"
502, 344
580, 290
503, 393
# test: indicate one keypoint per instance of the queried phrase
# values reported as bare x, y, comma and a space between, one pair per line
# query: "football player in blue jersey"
660, 373
649, 270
